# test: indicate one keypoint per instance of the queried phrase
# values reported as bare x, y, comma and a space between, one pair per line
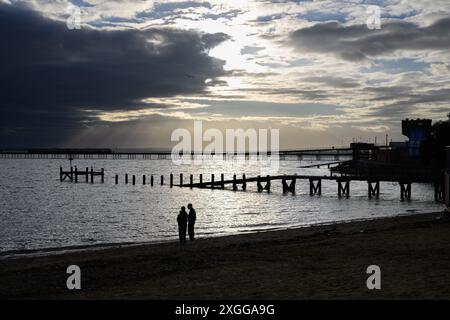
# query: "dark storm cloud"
358, 42
50, 73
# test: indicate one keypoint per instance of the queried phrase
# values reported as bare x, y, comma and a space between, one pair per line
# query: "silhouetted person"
191, 218
182, 224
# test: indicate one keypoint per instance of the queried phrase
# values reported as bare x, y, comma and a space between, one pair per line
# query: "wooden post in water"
143, 179
315, 188
71, 173
201, 179
151, 180
373, 190
162, 180
171, 180
244, 183
438, 191
191, 180
92, 175
259, 185
212, 181
267, 187
181, 179
76, 174
234, 182
87, 174
126, 178
102, 174
405, 190
60, 174
134, 179
222, 185
344, 191
117, 179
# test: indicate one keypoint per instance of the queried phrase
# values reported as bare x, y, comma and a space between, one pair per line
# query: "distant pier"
319, 154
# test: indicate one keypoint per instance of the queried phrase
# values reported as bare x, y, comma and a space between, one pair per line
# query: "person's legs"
191, 231
183, 236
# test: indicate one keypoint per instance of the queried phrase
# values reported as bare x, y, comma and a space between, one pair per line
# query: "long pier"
335, 154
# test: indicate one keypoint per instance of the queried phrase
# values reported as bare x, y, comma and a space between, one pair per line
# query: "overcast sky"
136, 70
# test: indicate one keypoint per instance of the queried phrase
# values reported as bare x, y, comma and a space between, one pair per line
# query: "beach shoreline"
325, 261
47, 251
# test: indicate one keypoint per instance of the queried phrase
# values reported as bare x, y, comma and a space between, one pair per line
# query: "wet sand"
320, 262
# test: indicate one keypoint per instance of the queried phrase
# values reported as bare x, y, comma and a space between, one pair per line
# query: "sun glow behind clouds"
287, 52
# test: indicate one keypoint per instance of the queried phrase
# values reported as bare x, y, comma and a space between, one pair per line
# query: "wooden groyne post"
405, 190
315, 186
343, 190
373, 189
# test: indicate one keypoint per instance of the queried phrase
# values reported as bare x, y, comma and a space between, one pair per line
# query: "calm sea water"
39, 211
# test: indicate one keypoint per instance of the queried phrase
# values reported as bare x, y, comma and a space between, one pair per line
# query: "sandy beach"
323, 262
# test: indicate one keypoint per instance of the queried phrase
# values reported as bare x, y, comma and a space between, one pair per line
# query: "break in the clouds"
137, 69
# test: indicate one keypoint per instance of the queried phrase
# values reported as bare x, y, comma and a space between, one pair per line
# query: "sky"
133, 71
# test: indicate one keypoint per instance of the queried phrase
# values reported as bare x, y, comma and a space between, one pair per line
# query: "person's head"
190, 206
183, 209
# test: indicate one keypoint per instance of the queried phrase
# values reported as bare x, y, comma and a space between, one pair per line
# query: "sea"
38, 211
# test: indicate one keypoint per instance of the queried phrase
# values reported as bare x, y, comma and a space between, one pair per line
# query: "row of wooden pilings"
315, 183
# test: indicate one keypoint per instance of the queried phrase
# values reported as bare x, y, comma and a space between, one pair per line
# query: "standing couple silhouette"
186, 221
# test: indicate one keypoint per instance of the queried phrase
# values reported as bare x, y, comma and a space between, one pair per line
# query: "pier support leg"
92, 175
212, 181
201, 179
373, 189
87, 175
76, 174
405, 190
191, 181
143, 179
60, 174
259, 185
102, 175
315, 188
285, 185
234, 183
344, 190
244, 183
117, 179
292, 186
181, 179
126, 178
162, 180
134, 180
151, 181
438, 192
267, 186
171, 180
222, 179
